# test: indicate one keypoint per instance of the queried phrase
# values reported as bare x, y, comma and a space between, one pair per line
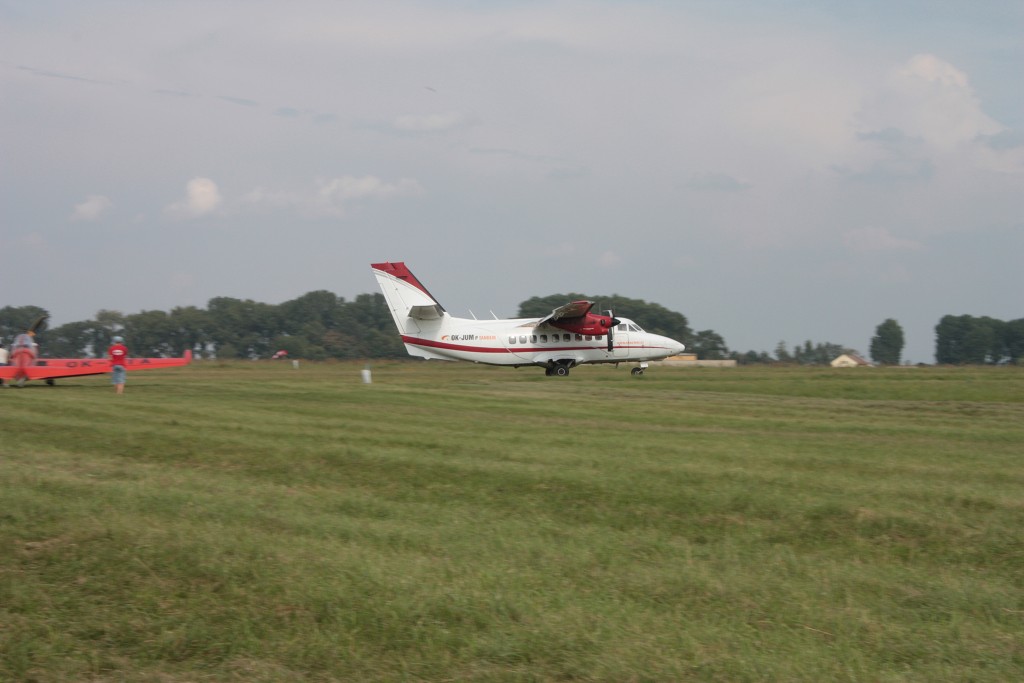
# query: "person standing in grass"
118, 354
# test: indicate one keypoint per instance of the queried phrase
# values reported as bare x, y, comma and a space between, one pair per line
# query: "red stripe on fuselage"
434, 344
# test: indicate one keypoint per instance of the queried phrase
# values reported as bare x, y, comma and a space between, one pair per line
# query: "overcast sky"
774, 170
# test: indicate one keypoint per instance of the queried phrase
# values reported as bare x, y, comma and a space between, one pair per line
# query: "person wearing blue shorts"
118, 354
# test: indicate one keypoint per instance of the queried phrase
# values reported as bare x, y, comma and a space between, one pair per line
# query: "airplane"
25, 363
568, 336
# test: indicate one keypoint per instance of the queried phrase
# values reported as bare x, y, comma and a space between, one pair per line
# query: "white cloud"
871, 238
201, 198
92, 208
609, 259
924, 126
262, 197
1006, 140
348, 187
930, 99
934, 70
333, 196
430, 123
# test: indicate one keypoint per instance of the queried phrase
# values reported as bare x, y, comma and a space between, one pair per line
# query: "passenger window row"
565, 337
543, 338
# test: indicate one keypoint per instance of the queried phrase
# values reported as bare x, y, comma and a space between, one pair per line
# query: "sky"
781, 170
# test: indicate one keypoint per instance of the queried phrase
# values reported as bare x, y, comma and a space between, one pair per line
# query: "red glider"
26, 364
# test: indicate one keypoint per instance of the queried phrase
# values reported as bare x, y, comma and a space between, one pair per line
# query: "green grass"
252, 522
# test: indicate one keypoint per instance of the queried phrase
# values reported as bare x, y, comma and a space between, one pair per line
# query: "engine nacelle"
591, 323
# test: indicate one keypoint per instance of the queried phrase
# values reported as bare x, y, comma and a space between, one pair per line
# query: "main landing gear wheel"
557, 369
637, 371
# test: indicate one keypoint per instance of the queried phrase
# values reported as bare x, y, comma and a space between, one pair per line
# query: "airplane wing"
56, 368
576, 309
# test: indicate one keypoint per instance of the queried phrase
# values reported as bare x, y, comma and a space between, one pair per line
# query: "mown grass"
251, 522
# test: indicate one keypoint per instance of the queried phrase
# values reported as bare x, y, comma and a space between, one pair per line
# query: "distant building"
850, 360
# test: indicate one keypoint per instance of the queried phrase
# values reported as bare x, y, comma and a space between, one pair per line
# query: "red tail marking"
399, 270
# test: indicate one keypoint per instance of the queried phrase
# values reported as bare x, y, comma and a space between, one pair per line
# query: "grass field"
253, 522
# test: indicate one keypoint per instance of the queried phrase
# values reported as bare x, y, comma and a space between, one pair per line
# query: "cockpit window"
633, 327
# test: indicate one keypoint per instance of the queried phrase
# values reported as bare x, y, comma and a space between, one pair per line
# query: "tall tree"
191, 329
709, 345
71, 340
965, 339
149, 333
887, 344
1014, 335
949, 335
781, 353
320, 306
247, 327
109, 324
752, 357
810, 353
826, 352
16, 319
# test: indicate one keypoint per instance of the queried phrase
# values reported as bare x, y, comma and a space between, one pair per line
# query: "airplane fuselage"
522, 341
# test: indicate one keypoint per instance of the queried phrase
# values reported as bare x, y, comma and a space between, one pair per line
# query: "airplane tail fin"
410, 303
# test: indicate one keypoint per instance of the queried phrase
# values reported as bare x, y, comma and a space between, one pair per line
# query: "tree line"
321, 325
970, 340
317, 325
959, 340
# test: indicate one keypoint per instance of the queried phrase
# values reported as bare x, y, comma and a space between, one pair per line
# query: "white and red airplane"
568, 336
25, 363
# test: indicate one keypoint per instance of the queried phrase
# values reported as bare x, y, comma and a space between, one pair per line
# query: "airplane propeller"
612, 323
39, 325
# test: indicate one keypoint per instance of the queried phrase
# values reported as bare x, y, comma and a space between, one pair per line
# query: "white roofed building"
849, 360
